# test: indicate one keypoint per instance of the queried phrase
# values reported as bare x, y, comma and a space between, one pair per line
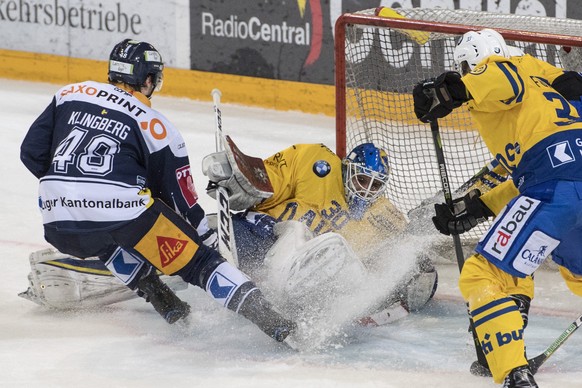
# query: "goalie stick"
226, 242
434, 126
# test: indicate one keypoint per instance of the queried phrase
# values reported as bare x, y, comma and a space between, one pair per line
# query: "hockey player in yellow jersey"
330, 196
522, 110
308, 182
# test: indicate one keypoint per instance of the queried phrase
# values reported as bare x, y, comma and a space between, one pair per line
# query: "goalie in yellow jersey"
522, 109
320, 223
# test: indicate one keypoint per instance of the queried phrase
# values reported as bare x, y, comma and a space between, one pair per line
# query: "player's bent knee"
477, 281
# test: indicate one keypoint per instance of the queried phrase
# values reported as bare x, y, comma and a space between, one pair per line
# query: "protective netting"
383, 64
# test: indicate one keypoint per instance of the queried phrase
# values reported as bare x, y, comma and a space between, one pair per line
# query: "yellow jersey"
532, 130
308, 187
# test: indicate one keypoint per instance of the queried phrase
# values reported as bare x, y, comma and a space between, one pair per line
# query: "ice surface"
129, 345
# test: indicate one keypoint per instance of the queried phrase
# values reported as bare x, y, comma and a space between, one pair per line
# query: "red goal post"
378, 60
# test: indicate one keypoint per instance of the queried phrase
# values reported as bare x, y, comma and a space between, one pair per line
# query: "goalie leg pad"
419, 290
62, 282
305, 270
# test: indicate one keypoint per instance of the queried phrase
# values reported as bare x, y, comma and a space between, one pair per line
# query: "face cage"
364, 183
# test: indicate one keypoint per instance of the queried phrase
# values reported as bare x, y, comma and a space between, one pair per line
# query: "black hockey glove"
468, 212
437, 97
569, 85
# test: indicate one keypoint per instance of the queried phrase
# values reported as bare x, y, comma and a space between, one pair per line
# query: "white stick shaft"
226, 243
216, 95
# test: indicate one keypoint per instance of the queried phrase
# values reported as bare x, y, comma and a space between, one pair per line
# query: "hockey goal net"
378, 61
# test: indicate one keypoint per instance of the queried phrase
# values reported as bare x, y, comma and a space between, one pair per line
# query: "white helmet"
475, 46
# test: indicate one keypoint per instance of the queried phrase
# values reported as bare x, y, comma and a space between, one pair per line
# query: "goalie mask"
131, 62
366, 173
475, 46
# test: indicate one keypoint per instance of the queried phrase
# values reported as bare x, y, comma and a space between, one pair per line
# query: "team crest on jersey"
479, 70
321, 168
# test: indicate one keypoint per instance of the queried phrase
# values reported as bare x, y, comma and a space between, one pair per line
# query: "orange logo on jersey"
156, 128
80, 88
170, 249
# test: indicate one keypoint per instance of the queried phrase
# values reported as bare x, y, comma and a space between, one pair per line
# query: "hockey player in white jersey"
115, 182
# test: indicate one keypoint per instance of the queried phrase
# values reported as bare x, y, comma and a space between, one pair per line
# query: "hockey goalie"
325, 240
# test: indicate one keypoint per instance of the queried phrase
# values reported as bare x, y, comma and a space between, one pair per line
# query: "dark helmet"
131, 62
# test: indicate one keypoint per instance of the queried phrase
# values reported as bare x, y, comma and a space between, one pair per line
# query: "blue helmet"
366, 172
131, 62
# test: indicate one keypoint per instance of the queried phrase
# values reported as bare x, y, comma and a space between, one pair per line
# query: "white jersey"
101, 153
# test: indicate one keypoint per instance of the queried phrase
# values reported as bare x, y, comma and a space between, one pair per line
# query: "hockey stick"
436, 137
484, 179
480, 176
226, 242
536, 362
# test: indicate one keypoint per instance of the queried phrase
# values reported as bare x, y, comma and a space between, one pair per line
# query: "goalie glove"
437, 97
221, 172
467, 213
